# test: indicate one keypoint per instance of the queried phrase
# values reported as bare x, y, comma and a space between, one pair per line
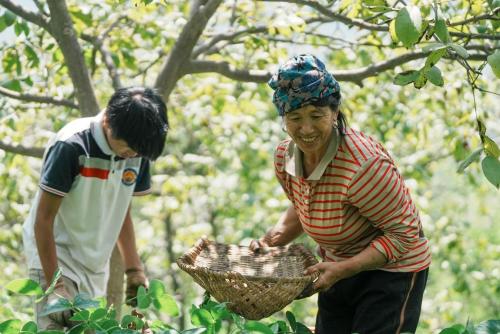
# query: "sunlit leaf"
441, 30
25, 287
143, 298
491, 169
459, 50
408, 25
166, 304
257, 327
490, 147
10, 326
29, 328
201, 317
494, 62
14, 85
449, 331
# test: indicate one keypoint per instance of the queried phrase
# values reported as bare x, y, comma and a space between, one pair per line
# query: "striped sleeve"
378, 191
60, 168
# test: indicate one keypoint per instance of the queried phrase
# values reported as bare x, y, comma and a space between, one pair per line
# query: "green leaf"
85, 18
156, 288
488, 327
434, 46
17, 28
441, 31
420, 81
406, 77
279, 327
9, 18
302, 329
201, 317
83, 301
199, 330
33, 59
143, 298
78, 329
11, 326
51, 332
83, 315
435, 56
490, 147
14, 85
98, 314
494, 62
59, 305
470, 159
130, 319
29, 328
408, 25
291, 320
392, 31
434, 76
166, 304
25, 287
257, 327
491, 169
449, 331
459, 50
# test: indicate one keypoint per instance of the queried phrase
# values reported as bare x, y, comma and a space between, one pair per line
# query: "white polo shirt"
97, 187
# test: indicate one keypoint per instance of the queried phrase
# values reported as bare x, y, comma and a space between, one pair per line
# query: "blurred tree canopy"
422, 76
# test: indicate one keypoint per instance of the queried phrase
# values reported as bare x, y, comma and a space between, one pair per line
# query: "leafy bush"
207, 318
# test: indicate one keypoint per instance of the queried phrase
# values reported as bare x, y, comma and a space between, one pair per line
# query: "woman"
346, 193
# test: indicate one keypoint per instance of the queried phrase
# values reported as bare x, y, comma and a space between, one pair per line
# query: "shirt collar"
99, 135
294, 156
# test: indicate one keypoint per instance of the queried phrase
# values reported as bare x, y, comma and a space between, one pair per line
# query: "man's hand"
61, 317
135, 279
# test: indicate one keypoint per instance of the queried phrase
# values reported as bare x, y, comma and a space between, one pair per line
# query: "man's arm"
127, 245
131, 260
44, 232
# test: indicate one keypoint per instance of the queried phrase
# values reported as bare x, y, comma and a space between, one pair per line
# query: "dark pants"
372, 302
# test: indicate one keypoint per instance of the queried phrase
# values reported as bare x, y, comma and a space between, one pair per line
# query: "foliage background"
216, 176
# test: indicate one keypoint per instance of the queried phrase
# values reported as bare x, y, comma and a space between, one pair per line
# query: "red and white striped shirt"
355, 198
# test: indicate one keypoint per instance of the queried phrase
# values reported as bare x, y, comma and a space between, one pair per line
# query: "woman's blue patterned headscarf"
300, 81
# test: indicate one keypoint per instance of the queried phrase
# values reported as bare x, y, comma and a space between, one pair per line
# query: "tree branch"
489, 16
36, 98
337, 17
355, 75
181, 52
26, 14
36, 152
65, 35
224, 68
231, 36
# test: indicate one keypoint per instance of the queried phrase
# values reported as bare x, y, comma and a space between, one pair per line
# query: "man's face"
119, 146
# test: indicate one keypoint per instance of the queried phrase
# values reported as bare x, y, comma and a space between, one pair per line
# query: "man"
90, 172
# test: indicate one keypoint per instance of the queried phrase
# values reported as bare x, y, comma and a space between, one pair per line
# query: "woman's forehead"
307, 109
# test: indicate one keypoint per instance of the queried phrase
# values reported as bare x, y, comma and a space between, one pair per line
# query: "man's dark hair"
138, 116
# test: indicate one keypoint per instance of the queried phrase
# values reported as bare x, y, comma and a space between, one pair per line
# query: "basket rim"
203, 242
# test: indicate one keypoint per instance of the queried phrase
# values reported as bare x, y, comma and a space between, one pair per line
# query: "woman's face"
310, 128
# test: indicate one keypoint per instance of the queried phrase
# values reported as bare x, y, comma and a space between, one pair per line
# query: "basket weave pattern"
254, 285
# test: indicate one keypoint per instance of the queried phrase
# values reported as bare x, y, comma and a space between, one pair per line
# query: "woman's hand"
329, 274
257, 245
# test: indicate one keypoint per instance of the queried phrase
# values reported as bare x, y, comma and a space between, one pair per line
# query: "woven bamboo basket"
254, 285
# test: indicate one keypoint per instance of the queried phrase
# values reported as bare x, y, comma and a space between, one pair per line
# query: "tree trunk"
115, 283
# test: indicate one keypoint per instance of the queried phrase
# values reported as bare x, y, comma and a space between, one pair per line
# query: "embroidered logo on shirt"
129, 176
